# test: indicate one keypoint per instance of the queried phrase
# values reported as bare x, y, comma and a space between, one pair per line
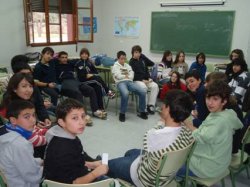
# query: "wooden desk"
106, 72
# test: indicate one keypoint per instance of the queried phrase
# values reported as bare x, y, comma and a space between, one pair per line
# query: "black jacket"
65, 160
140, 68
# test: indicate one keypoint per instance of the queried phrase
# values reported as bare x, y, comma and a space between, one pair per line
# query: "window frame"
75, 24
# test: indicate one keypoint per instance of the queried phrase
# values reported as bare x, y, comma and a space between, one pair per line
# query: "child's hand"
47, 122
100, 170
89, 75
93, 165
194, 113
52, 85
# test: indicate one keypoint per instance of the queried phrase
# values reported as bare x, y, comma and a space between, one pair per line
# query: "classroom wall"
12, 35
143, 9
13, 41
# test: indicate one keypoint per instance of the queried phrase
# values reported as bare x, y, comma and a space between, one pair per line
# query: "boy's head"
136, 52
19, 63
239, 65
177, 105
22, 113
201, 58
121, 56
217, 95
215, 76
47, 54
70, 116
193, 80
84, 54
63, 57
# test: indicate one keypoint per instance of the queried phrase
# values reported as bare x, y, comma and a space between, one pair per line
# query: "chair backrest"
246, 137
187, 163
245, 140
104, 183
3, 182
172, 161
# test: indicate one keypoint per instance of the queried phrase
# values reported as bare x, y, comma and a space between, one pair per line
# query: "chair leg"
106, 104
116, 101
232, 179
223, 183
248, 176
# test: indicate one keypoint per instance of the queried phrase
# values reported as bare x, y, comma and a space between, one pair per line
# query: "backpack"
154, 72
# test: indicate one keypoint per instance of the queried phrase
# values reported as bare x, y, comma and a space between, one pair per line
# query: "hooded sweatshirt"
17, 162
120, 72
64, 158
212, 154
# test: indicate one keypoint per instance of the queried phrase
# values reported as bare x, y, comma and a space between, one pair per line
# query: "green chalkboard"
207, 31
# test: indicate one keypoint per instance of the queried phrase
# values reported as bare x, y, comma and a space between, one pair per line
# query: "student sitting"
235, 54
73, 88
212, 154
232, 104
87, 73
165, 67
65, 160
197, 90
16, 154
123, 76
140, 64
199, 65
180, 65
174, 83
240, 80
140, 167
45, 77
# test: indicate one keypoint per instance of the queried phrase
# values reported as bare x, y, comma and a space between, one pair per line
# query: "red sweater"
169, 86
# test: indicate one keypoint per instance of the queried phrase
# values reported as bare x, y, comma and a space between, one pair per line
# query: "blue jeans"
124, 88
120, 167
182, 172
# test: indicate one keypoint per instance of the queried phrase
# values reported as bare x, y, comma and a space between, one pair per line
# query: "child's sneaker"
99, 114
111, 94
89, 121
142, 115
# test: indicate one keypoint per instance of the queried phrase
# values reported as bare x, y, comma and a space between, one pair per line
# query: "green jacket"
214, 138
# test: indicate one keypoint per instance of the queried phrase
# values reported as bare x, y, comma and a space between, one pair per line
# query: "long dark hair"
165, 55
178, 81
178, 56
239, 52
14, 81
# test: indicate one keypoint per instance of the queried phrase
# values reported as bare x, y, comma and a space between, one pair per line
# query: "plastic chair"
3, 181
240, 161
172, 161
202, 181
104, 183
169, 162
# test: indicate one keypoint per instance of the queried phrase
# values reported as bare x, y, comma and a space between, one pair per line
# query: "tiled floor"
115, 138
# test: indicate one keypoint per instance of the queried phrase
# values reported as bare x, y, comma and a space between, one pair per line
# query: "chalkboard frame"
218, 54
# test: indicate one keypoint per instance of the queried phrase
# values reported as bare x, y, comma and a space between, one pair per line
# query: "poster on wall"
127, 26
86, 28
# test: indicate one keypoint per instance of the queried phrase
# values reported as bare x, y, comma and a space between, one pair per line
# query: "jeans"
124, 88
151, 96
120, 167
182, 172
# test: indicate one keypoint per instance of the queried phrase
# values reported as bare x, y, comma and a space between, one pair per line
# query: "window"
57, 22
